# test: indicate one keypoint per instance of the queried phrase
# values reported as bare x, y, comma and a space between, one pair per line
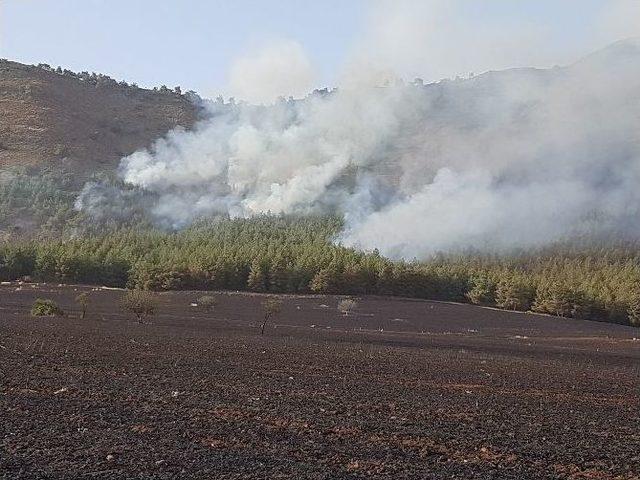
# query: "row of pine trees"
297, 255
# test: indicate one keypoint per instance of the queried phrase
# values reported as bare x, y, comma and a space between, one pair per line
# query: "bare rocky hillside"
82, 123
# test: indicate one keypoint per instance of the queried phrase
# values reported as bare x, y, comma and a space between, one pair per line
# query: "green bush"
207, 302
633, 312
513, 294
346, 306
482, 291
554, 298
140, 303
46, 308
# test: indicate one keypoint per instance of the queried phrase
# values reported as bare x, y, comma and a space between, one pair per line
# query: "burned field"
394, 389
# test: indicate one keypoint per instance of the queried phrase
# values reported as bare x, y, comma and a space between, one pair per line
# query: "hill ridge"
83, 123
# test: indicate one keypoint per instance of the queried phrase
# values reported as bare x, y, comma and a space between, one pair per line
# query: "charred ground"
396, 389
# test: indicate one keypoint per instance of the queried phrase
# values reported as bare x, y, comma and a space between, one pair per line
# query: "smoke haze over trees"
517, 158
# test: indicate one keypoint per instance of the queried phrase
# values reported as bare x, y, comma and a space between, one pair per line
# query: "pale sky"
194, 43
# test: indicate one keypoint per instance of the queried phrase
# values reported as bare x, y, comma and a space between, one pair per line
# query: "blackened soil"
397, 389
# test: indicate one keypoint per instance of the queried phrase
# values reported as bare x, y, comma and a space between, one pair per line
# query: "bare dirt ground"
398, 389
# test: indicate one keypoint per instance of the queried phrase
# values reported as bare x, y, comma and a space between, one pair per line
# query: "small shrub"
271, 307
46, 308
346, 306
83, 302
140, 303
207, 302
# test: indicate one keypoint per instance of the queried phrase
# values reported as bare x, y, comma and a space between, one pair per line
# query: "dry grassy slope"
50, 119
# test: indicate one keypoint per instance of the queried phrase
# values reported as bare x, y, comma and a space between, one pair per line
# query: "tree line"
298, 255
100, 80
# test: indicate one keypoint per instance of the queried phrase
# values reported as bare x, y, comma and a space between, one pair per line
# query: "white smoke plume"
516, 158
278, 69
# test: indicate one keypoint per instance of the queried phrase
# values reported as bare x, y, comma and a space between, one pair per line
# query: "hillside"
83, 123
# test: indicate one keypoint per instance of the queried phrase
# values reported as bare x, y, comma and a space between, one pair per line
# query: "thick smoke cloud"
505, 159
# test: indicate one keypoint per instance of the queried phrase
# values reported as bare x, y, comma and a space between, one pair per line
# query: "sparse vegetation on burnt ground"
270, 308
207, 302
446, 391
297, 255
44, 307
83, 303
140, 303
346, 306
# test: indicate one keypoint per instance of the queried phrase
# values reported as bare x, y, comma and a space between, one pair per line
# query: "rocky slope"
82, 123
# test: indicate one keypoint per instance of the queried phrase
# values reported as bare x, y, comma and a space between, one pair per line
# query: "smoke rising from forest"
516, 158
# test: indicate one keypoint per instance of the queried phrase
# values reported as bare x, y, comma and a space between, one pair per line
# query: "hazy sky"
186, 42
194, 43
